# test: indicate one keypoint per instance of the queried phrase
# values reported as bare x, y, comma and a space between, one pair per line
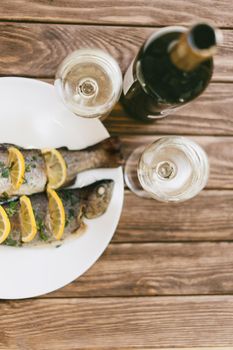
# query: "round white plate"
32, 116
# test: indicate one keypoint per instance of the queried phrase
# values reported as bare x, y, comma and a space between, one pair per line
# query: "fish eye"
100, 190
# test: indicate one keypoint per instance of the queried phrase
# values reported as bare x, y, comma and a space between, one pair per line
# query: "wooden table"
166, 279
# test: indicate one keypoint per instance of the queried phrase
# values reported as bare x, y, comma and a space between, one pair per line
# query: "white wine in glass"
89, 81
172, 169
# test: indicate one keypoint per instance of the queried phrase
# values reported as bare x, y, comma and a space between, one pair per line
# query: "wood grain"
140, 12
207, 217
37, 49
70, 324
210, 114
218, 150
157, 269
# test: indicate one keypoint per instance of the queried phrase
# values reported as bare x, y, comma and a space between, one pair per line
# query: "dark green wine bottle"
173, 67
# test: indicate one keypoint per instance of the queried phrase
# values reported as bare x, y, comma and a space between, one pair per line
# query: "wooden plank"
117, 323
210, 114
218, 150
153, 12
37, 49
207, 217
157, 269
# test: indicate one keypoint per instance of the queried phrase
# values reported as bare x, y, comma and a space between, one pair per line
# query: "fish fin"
82, 226
81, 230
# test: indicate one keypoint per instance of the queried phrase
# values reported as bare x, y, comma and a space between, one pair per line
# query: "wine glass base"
130, 173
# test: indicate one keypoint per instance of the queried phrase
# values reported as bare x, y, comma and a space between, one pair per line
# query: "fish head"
98, 198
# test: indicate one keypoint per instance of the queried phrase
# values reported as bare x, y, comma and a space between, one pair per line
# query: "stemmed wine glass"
171, 169
89, 81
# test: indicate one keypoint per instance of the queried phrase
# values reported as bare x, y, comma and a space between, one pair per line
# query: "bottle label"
128, 78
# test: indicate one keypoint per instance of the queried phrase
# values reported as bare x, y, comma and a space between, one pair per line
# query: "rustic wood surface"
35, 49
128, 12
74, 323
166, 279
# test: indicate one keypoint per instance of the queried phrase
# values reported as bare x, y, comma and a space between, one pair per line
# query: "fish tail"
114, 149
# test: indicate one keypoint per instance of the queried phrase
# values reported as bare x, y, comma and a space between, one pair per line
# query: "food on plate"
27, 219
49, 217
33, 169
56, 168
16, 166
5, 226
56, 213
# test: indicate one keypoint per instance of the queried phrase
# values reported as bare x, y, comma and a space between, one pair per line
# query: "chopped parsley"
25, 180
5, 196
11, 242
4, 170
43, 236
11, 208
30, 163
27, 168
70, 214
69, 217
69, 196
41, 228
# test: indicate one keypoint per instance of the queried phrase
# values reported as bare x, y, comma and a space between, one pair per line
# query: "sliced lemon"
5, 226
27, 219
16, 164
56, 168
57, 213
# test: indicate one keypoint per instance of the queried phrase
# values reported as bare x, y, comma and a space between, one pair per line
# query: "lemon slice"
57, 214
27, 219
56, 168
16, 164
5, 226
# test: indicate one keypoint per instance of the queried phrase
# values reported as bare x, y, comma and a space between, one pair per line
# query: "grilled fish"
87, 202
105, 154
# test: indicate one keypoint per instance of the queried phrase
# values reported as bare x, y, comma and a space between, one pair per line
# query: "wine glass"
89, 82
171, 169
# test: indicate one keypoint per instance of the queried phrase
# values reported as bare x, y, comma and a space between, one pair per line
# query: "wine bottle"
172, 67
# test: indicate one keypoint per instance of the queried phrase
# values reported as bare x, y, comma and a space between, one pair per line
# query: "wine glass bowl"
172, 169
89, 82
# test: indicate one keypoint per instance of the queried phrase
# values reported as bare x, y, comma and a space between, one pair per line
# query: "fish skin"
105, 154
87, 202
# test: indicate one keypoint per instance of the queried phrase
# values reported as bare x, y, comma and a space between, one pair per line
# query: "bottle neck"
194, 47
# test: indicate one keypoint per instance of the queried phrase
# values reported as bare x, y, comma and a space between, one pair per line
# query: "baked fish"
105, 154
87, 202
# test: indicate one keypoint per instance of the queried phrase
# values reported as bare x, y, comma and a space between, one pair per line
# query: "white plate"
32, 116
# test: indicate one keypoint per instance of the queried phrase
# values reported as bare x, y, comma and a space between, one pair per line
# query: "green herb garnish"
68, 196
4, 170
71, 214
43, 236
11, 242
25, 180
5, 196
11, 209
27, 168
41, 228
